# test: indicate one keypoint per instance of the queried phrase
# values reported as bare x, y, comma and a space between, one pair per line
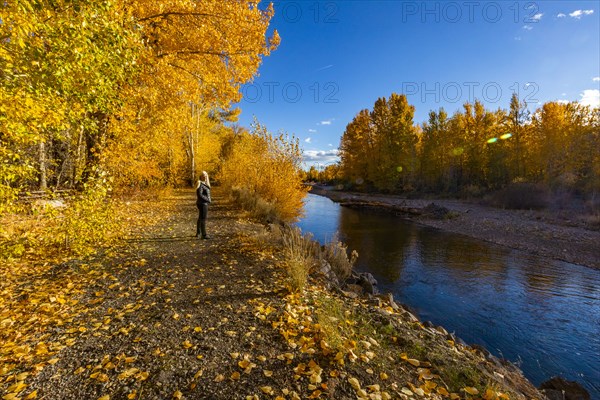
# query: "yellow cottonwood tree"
197, 55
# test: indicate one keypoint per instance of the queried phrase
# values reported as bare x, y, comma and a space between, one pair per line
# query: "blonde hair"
204, 178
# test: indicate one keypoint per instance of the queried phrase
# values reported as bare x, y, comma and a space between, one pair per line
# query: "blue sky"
338, 57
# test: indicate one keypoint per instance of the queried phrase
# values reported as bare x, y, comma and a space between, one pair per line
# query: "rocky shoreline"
541, 233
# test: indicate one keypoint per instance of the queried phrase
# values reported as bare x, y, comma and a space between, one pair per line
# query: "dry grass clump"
259, 208
300, 252
336, 254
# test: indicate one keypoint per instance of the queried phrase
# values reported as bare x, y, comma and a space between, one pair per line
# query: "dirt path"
538, 232
176, 317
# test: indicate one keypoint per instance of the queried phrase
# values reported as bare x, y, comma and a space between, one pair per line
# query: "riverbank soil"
165, 315
540, 232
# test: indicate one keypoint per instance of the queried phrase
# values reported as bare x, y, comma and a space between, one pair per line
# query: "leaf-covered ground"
166, 315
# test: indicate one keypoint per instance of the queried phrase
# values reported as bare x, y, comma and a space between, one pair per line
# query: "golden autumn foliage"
266, 170
84, 82
474, 150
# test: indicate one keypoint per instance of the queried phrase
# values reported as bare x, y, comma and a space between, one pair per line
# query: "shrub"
266, 172
522, 195
87, 221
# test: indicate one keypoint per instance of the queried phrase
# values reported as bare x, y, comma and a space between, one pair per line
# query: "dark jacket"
203, 195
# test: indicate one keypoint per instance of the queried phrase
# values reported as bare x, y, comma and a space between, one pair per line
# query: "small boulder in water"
559, 388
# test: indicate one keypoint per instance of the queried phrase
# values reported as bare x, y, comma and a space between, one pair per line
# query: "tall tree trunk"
43, 166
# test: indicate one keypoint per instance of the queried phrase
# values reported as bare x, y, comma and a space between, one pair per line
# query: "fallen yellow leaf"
354, 383
31, 396
471, 390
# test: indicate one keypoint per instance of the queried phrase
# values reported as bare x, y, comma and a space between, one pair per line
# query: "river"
541, 314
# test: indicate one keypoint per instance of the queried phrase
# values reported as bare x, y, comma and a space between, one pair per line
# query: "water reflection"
540, 313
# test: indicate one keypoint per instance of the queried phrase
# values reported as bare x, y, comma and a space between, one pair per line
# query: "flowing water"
541, 314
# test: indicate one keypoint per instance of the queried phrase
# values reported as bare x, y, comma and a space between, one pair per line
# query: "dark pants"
201, 224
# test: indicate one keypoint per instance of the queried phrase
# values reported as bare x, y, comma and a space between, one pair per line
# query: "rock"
552, 394
435, 211
368, 283
331, 279
410, 317
390, 299
571, 390
355, 289
365, 280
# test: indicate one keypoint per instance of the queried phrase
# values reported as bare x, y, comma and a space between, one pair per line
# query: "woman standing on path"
202, 202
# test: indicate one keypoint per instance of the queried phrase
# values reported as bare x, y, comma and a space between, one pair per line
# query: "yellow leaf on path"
383, 376
354, 383
266, 389
177, 395
235, 376
471, 390
132, 395
187, 344
105, 397
234, 355
441, 390
22, 376
16, 387
142, 376
414, 362
31, 396
219, 378
374, 388
198, 374
126, 374
10, 396
267, 373
490, 394
53, 361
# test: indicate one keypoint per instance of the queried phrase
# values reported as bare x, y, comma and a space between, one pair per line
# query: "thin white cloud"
324, 68
527, 27
518, 38
590, 97
562, 101
322, 156
561, 15
326, 122
577, 14
312, 130
563, 94
596, 79
307, 140
537, 17
330, 145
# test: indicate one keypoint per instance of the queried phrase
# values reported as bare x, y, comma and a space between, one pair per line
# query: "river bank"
541, 233
165, 315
